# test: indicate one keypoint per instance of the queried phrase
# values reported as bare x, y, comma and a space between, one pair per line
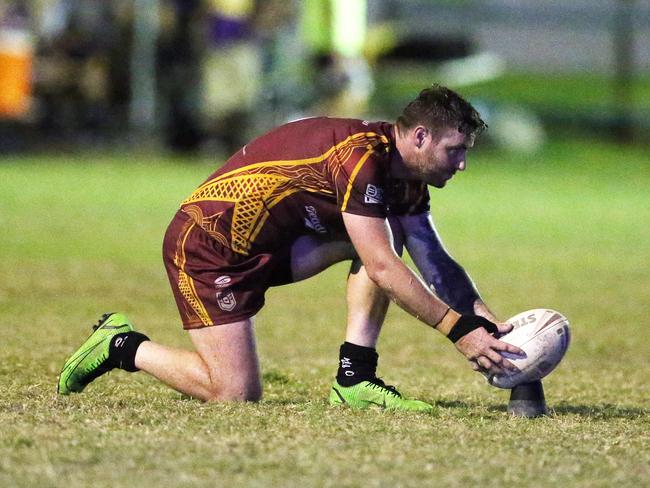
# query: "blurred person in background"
288, 205
230, 71
16, 59
180, 51
81, 74
334, 33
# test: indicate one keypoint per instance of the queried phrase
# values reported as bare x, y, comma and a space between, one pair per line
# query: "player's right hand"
483, 351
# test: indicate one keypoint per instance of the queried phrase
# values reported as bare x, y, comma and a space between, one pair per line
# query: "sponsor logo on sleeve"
226, 300
374, 194
312, 221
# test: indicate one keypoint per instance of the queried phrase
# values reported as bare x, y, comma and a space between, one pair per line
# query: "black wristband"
468, 323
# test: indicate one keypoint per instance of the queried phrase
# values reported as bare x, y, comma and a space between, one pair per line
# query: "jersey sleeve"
408, 197
361, 183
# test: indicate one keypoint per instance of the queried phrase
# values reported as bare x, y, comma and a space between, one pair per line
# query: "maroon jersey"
297, 179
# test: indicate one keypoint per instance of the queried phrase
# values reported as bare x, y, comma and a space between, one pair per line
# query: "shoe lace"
379, 383
101, 320
97, 364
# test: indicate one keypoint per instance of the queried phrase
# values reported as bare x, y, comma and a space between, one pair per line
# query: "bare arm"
371, 239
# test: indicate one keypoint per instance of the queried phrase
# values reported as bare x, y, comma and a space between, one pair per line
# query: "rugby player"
286, 206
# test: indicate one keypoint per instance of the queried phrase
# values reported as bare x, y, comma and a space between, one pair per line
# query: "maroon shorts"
211, 283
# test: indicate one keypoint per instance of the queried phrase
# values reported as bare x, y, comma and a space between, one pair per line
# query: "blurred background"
204, 76
113, 111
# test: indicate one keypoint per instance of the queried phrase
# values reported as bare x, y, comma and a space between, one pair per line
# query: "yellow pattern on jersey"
185, 282
258, 187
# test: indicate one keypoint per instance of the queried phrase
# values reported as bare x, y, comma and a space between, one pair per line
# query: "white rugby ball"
544, 336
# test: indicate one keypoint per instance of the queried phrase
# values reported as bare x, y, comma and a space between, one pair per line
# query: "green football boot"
89, 361
375, 393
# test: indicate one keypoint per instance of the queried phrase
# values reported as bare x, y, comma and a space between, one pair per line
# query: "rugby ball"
544, 336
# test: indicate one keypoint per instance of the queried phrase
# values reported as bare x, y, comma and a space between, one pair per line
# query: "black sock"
123, 348
356, 364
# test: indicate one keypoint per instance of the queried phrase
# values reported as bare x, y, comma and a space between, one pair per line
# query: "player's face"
441, 155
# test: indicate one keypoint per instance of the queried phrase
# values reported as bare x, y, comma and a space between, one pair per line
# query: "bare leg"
311, 255
367, 306
225, 366
367, 303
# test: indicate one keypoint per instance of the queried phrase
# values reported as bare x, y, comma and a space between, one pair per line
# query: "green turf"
565, 95
559, 91
566, 229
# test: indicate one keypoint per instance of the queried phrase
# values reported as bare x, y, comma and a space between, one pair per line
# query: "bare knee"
242, 395
231, 370
234, 393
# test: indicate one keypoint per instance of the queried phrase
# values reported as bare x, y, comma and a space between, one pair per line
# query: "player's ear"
420, 134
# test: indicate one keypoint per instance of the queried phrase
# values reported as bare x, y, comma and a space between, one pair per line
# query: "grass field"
566, 229
559, 92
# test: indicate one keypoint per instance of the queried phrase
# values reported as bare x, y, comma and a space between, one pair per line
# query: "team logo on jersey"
222, 281
312, 221
226, 300
373, 194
